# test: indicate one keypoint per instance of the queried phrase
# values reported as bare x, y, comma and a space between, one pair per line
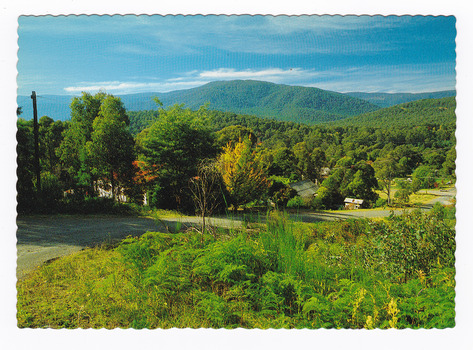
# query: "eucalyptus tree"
172, 148
97, 144
111, 148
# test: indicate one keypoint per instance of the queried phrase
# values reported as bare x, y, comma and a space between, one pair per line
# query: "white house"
353, 203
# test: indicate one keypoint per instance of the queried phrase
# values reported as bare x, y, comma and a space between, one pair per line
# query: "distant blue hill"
54, 106
263, 99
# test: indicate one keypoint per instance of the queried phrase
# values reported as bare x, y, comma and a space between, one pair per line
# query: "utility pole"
36, 143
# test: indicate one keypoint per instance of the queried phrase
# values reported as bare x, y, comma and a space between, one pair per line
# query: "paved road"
444, 197
42, 238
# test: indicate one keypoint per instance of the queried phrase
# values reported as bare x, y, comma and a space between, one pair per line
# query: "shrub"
345, 274
381, 202
296, 203
416, 241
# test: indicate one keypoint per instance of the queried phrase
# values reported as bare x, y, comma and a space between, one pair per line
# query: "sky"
66, 55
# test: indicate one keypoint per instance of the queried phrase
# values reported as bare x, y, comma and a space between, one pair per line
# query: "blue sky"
128, 54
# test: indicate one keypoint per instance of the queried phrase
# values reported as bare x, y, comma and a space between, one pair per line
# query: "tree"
25, 171
50, 138
403, 193
448, 167
206, 189
283, 163
362, 182
409, 157
110, 149
386, 170
72, 151
174, 145
309, 163
243, 172
423, 177
348, 180
235, 133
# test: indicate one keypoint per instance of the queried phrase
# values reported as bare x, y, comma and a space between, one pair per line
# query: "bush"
381, 202
94, 205
51, 190
296, 203
345, 274
415, 241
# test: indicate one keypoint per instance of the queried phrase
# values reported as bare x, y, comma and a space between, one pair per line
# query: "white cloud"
387, 78
118, 87
196, 78
273, 74
382, 78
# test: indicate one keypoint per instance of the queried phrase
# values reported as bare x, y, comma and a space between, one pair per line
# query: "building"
305, 188
353, 203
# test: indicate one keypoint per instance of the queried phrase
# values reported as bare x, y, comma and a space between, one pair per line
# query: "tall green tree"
362, 183
25, 170
387, 169
174, 145
72, 151
111, 147
423, 177
283, 162
448, 167
309, 162
348, 179
50, 137
235, 133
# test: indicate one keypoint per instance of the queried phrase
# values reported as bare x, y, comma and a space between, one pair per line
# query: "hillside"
282, 102
263, 99
422, 112
388, 100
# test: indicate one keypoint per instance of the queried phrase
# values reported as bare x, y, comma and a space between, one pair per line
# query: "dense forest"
423, 112
277, 101
155, 153
391, 99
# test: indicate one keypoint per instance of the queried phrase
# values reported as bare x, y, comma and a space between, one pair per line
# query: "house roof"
305, 188
354, 200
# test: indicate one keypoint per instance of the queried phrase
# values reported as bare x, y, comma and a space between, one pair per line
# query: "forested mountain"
105, 142
388, 100
282, 102
263, 99
422, 112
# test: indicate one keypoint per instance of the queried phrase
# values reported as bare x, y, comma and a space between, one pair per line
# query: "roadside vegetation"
393, 273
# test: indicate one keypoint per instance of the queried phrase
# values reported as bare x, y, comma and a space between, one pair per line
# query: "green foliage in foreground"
397, 273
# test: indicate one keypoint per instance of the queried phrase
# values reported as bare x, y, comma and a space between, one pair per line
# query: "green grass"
350, 274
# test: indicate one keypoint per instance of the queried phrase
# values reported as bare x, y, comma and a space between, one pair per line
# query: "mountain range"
282, 102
